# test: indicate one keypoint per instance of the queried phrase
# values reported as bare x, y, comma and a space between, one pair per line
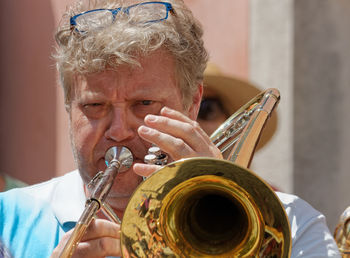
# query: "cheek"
83, 132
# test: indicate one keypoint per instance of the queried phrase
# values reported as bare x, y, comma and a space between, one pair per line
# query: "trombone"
118, 159
206, 207
342, 233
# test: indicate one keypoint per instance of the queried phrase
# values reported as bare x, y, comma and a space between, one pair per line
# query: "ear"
196, 102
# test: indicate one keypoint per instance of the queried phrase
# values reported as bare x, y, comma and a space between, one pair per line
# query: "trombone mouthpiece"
121, 155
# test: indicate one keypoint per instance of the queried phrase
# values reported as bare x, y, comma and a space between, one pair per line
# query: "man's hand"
101, 239
177, 135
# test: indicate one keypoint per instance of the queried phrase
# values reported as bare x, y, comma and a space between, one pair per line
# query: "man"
131, 77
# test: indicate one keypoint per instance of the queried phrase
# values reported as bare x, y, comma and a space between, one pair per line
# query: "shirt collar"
68, 199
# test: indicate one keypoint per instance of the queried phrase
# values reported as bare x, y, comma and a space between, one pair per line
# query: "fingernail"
151, 118
166, 109
144, 129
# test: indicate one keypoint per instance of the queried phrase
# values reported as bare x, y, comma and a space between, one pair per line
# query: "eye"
143, 107
94, 110
146, 102
92, 105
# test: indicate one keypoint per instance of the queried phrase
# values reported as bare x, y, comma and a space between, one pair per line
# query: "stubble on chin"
78, 160
83, 170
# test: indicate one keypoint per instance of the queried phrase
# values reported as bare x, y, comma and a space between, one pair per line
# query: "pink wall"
64, 156
27, 84
34, 129
225, 24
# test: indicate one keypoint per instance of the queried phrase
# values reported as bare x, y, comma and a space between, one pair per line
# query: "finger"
176, 115
179, 139
101, 228
101, 247
175, 147
59, 248
209, 148
102, 238
145, 169
190, 132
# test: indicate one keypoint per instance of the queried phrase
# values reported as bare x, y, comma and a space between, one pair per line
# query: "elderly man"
132, 77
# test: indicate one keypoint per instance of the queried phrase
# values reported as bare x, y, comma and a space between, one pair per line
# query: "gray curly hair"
124, 40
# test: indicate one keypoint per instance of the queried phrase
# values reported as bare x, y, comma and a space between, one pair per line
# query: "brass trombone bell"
204, 207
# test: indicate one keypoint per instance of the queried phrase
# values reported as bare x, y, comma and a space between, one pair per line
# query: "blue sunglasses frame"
169, 8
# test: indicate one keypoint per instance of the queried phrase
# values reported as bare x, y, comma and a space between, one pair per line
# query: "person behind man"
223, 95
131, 77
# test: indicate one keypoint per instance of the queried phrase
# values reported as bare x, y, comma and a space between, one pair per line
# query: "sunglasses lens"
210, 109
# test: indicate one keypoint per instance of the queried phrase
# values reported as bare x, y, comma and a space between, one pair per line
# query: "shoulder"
310, 234
296, 206
28, 221
28, 198
50, 196
45, 190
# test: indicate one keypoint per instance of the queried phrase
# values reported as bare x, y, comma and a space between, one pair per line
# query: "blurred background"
300, 47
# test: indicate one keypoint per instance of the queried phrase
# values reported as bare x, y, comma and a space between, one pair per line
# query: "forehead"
155, 72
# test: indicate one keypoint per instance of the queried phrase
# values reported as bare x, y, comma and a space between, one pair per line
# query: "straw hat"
234, 93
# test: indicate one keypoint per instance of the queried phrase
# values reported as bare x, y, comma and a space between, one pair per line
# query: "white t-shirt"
310, 234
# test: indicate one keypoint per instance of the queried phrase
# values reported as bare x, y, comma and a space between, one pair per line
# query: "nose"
120, 126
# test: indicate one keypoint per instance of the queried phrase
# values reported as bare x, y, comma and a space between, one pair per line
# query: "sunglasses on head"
100, 18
